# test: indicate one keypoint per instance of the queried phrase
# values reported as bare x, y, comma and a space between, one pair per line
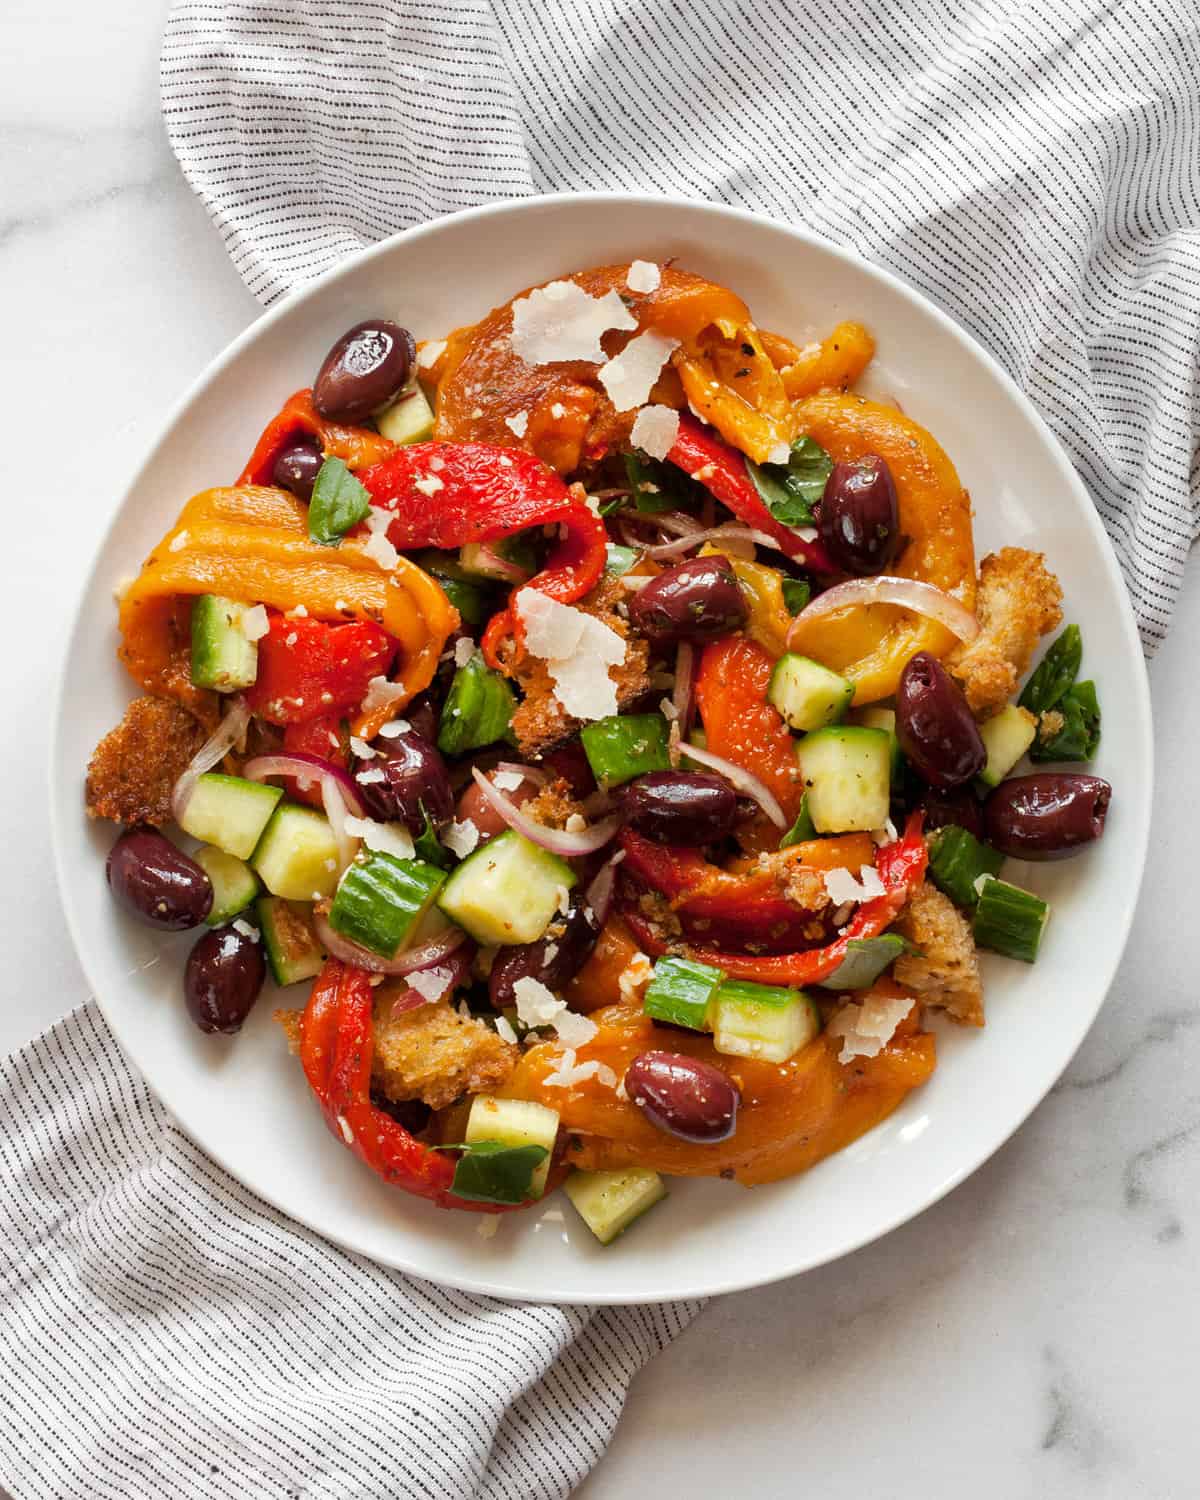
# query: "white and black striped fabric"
164, 1333
1033, 168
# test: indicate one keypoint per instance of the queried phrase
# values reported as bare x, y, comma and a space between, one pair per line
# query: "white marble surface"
1035, 1334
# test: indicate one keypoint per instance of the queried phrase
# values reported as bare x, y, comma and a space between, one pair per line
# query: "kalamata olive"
224, 974
554, 959
414, 783
298, 465
681, 807
958, 806
858, 519
684, 1096
934, 724
697, 600
1049, 815
422, 714
157, 882
364, 370
473, 807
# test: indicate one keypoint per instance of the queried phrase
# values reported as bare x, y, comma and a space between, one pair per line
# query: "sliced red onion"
307, 769
228, 733
718, 533
673, 522
557, 841
599, 894
683, 697
741, 779
533, 774
909, 593
407, 961
500, 567
335, 810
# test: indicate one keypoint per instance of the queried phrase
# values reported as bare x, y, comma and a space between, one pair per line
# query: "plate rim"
1138, 799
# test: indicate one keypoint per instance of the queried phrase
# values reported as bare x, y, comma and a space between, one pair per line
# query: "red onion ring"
721, 533
565, 845
742, 780
599, 895
227, 734
307, 768
334, 804
533, 774
909, 593
683, 697
407, 961
673, 522
500, 567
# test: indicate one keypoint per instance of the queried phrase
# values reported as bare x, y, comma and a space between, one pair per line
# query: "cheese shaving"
430, 484
536, 1005
574, 1030
381, 692
518, 424
361, 748
431, 984
643, 276
504, 1030
461, 838
395, 729
562, 322
629, 377
655, 430
384, 838
867, 1028
634, 978
578, 650
507, 781
429, 354
255, 623
841, 886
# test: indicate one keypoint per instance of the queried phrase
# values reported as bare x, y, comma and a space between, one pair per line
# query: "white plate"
244, 1099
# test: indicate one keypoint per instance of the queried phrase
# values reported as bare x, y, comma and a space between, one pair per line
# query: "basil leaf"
656, 486
338, 502
791, 490
1078, 735
802, 829
796, 594
491, 1172
426, 845
1057, 671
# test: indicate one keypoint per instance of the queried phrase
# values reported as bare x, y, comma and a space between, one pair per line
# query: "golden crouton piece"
435, 1054
1019, 600
136, 765
945, 970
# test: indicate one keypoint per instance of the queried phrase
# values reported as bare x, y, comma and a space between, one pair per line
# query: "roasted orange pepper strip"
355, 446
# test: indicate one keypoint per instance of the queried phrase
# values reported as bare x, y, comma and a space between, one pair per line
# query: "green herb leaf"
491, 1172
1057, 671
657, 486
618, 559
796, 594
1079, 733
427, 847
791, 490
802, 829
338, 502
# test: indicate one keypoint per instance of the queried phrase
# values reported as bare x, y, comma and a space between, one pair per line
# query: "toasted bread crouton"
136, 765
1019, 600
554, 804
945, 969
290, 1021
540, 722
435, 1054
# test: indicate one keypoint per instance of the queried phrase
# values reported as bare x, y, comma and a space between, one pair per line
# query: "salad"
600, 713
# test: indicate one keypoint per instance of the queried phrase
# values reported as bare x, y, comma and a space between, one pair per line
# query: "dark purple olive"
957, 807
1050, 815
298, 465
224, 974
697, 600
364, 370
422, 714
858, 519
681, 807
934, 724
406, 781
554, 959
683, 1096
157, 882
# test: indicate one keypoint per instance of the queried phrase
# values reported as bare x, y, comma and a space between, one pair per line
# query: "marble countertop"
1035, 1334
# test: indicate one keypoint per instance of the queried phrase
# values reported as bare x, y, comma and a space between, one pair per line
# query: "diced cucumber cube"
382, 899
230, 812
410, 417
292, 948
681, 991
847, 773
865, 961
609, 1202
763, 1021
507, 892
234, 883
1009, 920
515, 1122
297, 856
874, 717
223, 658
956, 861
1006, 737
808, 695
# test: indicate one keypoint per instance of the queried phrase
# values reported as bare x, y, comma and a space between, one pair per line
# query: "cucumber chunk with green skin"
297, 856
847, 772
681, 992
623, 746
618, 559
381, 899
234, 883
515, 1122
1006, 737
293, 952
478, 711
230, 812
956, 861
874, 717
865, 961
223, 658
410, 417
808, 695
763, 1021
1009, 920
609, 1202
507, 892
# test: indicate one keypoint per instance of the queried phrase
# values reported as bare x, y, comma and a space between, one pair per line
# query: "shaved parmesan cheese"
655, 430
396, 728
361, 748
779, 454
885, 835
381, 552
384, 838
536, 1005
464, 650
558, 411
244, 927
507, 781
381, 692
576, 823
429, 354
562, 322
568, 1073
461, 838
518, 425
643, 276
371, 777
634, 978
629, 377
867, 1028
578, 651
299, 613
255, 623
574, 1030
504, 1029
429, 485
841, 885
432, 984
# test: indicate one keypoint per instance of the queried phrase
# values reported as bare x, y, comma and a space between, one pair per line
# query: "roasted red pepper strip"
308, 669
329, 739
698, 451
901, 867
337, 1046
356, 446
481, 493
